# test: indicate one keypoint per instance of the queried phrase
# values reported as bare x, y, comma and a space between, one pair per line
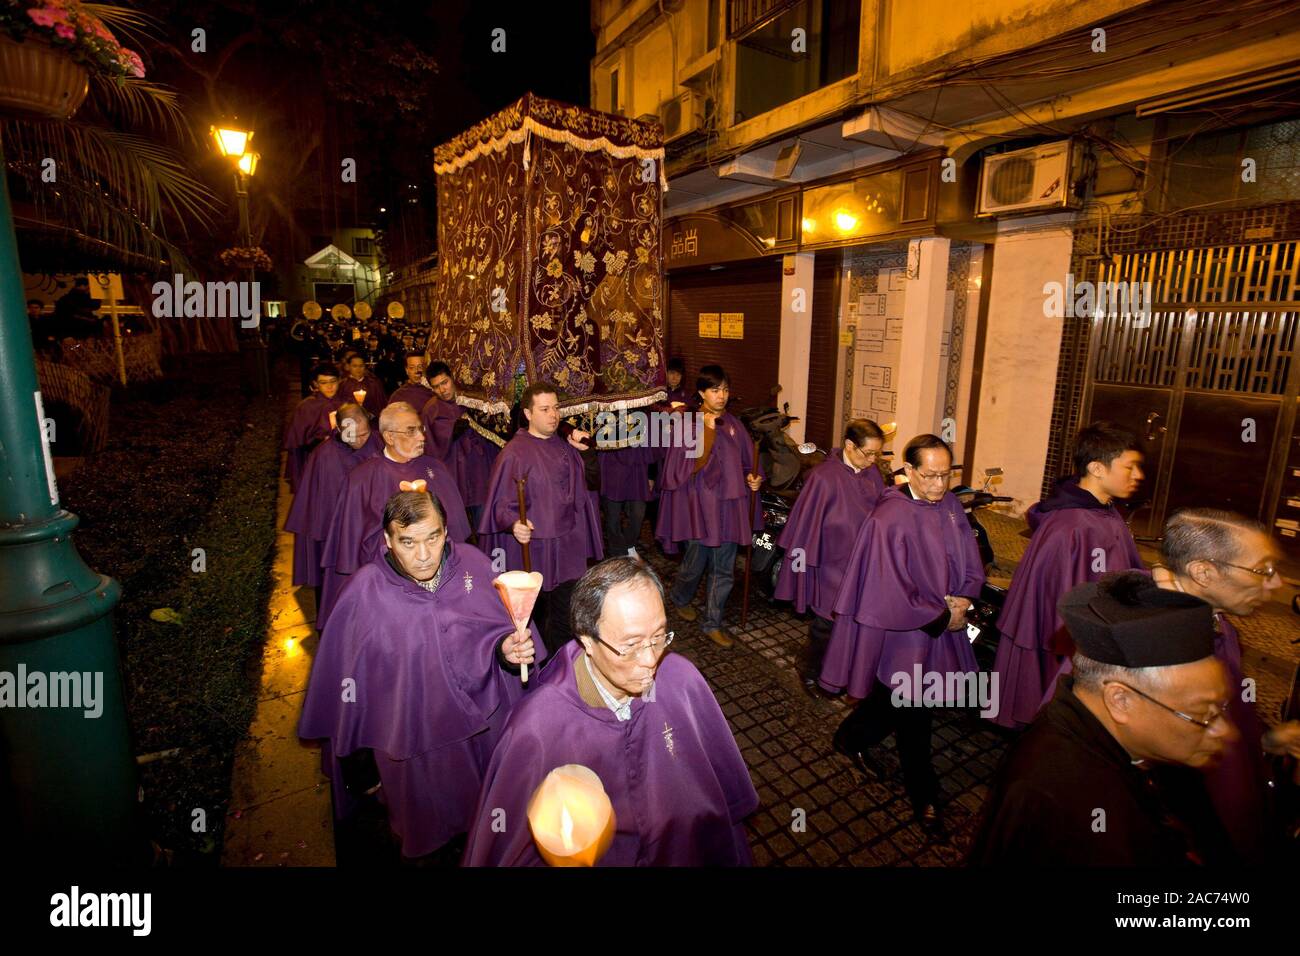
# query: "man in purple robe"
562, 529
900, 621
311, 421
440, 414
704, 501
415, 390
1230, 562
836, 497
356, 531
1078, 535
350, 443
418, 666
356, 377
645, 723
455, 441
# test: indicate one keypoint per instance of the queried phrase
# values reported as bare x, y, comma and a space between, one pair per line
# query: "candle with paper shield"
334, 420
360, 395
519, 591
571, 818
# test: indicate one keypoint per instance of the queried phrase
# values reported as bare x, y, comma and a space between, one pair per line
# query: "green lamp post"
67, 772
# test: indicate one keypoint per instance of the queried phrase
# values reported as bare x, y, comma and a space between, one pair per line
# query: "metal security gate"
1208, 377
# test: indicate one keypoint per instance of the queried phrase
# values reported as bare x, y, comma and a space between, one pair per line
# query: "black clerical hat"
1126, 620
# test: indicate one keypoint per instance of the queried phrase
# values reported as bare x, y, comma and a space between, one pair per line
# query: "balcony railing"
746, 15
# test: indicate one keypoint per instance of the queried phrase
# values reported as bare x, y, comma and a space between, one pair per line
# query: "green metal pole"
67, 780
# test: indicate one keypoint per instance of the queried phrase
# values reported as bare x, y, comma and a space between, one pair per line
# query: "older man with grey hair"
1088, 784
643, 720
356, 532
1230, 562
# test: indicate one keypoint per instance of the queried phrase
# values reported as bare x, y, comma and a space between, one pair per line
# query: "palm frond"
142, 103
125, 21
115, 186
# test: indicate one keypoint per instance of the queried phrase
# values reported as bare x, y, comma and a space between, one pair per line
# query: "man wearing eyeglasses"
1078, 535
1230, 562
310, 424
1093, 781
356, 532
835, 499
914, 571
644, 721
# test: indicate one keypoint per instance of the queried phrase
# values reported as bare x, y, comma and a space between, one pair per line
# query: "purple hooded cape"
376, 397
356, 533
472, 457
1238, 783
625, 473
712, 505
439, 418
673, 772
417, 396
566, 524
309, 426
1068, 528
908, 555
429, 695
824, 523
313, 506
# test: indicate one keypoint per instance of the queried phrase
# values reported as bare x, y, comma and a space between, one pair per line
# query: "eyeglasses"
1267, 572
1220, 714
410, 432
656, 645
941, 476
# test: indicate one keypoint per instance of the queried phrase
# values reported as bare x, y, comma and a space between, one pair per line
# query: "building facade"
995, 222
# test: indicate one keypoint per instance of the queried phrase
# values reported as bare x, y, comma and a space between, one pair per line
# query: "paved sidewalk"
280, 811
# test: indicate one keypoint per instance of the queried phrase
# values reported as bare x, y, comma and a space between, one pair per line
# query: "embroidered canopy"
548, 238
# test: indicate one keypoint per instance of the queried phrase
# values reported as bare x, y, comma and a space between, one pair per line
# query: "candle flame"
566, 828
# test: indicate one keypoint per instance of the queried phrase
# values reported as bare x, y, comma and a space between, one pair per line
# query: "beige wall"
1020, 357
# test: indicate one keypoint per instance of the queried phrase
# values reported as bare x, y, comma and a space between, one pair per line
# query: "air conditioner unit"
1028, 180
681, 115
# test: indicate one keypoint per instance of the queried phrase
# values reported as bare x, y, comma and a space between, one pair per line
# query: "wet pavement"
816, 808
785, 736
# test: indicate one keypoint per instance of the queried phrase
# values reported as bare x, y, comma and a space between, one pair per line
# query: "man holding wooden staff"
706, 479
561, 526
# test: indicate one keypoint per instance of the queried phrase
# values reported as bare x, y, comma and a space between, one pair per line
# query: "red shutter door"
752, 362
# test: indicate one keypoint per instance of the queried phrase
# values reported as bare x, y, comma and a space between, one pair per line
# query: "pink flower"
65, 31
45, 17
134, 65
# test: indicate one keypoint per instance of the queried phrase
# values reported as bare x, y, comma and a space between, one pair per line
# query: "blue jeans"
720, 562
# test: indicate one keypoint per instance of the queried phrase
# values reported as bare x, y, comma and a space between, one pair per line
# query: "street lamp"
232, 143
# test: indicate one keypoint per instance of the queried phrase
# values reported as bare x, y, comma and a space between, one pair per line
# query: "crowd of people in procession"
1138, 738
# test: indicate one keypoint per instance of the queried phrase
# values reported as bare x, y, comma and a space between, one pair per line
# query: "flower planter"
38, 81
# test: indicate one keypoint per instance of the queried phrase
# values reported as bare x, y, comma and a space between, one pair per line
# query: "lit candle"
360, 396
571, 818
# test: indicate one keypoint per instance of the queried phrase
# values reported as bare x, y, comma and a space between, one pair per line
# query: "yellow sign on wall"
708, 325
733, 325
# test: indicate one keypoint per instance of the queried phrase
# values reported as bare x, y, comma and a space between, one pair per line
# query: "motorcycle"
982, 616
785, 465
